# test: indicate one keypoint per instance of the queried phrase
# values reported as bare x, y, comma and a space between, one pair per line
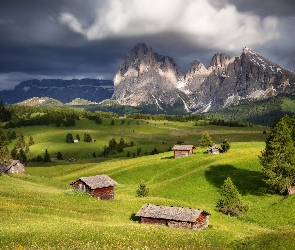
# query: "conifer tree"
31, 141
142, 190
278, 158
206, 140
46, 156
59, 156
230, 199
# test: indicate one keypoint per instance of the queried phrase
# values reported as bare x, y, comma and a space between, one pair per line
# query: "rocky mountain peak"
219, 63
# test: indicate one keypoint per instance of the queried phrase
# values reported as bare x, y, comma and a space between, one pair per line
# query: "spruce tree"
59, 156
278, 158
31, 141
46, 156
230, 199
206, 140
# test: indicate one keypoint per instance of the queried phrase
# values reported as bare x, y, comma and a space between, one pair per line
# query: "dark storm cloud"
76, 39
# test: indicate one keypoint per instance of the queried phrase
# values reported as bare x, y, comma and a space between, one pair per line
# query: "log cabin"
177, 217
98, 186
183, 150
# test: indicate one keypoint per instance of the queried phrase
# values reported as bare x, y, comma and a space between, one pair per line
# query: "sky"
66, 39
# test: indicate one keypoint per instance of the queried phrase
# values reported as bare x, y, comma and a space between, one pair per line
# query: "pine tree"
22, 156
59, 156
46, 156
206, 140
69, 138
230, 199
31, 141
278, 158
142, 190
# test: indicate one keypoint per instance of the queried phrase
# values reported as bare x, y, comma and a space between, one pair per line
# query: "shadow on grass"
247, 181
134, 218
167, 157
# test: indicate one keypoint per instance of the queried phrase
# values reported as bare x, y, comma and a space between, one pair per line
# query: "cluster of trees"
5, 114
116, 147
206, 141
229, 123
20, 149
180, 118
20, 115
46, 157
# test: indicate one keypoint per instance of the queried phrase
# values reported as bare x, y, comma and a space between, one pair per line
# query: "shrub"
225, 146
142, 190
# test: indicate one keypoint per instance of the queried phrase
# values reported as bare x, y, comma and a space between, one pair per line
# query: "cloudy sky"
67, 39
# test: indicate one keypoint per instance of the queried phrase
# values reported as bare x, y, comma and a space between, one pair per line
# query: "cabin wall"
180, 224
201, 222
181, 153
154, 221
106, 193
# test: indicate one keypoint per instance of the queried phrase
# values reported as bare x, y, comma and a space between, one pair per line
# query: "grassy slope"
262, 112
39, 211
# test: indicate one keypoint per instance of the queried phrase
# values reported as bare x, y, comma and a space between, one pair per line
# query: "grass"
38, 210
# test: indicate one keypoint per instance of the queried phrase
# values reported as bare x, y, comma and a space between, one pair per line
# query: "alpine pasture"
39, 210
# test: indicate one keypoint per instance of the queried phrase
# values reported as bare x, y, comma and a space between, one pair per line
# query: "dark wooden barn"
98, 186
177, 217
183, 150
14, 167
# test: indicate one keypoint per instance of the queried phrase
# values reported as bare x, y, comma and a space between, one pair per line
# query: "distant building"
75, 140
14, 168
182, 150
177, 217
98, 186
214, 150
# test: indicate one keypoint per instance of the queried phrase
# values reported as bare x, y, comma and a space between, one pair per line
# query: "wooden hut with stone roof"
177, 217
98, 186
183, 150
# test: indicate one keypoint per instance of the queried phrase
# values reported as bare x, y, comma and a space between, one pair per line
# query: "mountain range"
146, 78
65, 91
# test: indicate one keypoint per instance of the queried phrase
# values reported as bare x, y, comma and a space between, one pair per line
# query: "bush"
225, 146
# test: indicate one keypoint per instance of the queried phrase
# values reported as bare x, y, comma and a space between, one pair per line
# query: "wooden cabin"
182, 150
98, 186
214, 150
177, 217
14, 167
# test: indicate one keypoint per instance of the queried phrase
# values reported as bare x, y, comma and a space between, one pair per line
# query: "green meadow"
38, 209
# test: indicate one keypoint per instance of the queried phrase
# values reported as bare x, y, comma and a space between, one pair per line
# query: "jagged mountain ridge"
148, 78
65, 91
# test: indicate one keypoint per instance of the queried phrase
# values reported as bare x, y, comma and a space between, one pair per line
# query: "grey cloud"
38, 41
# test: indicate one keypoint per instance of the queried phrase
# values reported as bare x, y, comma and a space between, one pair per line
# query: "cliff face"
146, 77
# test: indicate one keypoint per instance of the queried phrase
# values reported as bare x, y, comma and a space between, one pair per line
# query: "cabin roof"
170, 213
98, 181
182, 147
